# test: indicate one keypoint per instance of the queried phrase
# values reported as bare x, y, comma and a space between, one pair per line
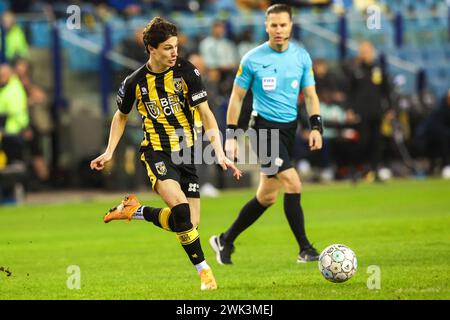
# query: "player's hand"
99, 162
231, 149
226, 163
315, 140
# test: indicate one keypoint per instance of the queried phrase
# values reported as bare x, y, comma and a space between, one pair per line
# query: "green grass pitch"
403, 227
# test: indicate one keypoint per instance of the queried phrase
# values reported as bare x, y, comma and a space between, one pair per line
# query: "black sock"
294, 215
186, 233
248, 215
161, 217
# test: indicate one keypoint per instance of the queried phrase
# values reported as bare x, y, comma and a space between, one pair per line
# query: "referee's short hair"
157, 31
278, 8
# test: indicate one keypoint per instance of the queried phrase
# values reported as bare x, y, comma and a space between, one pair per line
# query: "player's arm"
313, 109
234, 110
118, 124
125, 101
213, 134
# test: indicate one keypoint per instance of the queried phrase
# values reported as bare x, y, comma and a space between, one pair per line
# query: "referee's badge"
269, 83
161, 168
239, 72
294, 84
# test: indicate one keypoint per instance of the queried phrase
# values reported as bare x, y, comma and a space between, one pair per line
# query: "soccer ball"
337, 263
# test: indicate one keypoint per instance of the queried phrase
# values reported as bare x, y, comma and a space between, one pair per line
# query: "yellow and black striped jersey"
166, 103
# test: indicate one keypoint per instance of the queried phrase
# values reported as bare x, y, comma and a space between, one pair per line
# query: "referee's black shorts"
160, 165
274, 148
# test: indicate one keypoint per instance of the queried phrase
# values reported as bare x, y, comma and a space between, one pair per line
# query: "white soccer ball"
337, 263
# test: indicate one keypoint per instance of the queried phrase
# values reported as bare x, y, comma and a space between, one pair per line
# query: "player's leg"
290, 180
266, 195
187, 234
194, 204
158, 166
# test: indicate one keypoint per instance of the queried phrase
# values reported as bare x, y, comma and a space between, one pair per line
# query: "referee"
275, 71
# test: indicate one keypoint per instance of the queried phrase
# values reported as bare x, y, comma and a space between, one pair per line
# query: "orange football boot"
208, 282
123, 211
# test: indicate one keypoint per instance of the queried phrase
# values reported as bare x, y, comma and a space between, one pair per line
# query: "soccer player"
275, 71
168, 90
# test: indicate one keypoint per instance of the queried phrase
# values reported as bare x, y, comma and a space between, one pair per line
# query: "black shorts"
160, 166
274, 149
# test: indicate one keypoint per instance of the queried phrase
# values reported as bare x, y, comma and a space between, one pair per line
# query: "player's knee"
292, 185
267, 199
182, 217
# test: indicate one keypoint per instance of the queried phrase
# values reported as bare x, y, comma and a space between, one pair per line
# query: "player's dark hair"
278, 8
157, 31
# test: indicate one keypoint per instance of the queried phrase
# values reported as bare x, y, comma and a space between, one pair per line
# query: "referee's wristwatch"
315, 123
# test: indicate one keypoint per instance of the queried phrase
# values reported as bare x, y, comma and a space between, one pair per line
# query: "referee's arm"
235, 104
313, 108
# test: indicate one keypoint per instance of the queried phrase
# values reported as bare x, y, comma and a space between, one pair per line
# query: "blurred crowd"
24, 116
372, 131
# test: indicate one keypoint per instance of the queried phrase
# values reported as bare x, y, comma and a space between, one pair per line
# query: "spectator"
133, 46
218, 52
338, 124
325, 80
15, 40
40, 122
221, 54
13, 106
245, 42
434, 135
369, 95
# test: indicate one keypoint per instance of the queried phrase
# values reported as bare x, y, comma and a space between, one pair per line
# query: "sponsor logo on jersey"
199, 95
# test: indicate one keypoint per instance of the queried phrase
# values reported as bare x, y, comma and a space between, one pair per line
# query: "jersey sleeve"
244, 75
308, 74
196, 90
126, 96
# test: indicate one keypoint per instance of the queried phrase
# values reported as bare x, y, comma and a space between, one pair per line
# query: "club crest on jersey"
161, 168
177, 84
144, 90
152, 109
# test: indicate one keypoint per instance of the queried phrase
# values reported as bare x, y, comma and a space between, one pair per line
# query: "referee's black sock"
248, 215
294, 214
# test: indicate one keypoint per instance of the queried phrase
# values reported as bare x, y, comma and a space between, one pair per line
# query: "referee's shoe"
223, 250
308, 254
